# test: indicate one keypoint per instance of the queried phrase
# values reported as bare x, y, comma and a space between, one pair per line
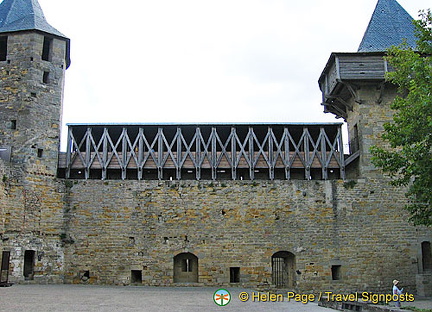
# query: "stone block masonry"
114, 227
32, 221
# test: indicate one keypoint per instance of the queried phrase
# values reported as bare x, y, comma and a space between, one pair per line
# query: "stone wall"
370, 110
114, 227
31, 219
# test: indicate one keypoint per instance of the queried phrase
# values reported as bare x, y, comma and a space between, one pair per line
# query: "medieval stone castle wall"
350, 235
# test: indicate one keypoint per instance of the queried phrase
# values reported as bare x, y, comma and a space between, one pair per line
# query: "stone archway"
186, 268
283, 269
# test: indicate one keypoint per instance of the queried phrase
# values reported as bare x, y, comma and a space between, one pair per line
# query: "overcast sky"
204, 61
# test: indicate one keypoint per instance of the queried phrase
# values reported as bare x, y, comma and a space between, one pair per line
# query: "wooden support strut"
69, 153
233, 154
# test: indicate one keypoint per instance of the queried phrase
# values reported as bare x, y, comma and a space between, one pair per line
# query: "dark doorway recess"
186, 268
283, 269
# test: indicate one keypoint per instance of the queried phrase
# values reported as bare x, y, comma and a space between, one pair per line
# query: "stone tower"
33, 60
354, 88
353, 84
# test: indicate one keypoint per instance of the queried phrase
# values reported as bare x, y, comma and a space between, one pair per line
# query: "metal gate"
283, 267
4, 269
280, 271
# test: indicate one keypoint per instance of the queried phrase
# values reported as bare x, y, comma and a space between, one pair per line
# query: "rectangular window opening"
13, 124
29, 262
46, 77
3, 48
234, 275
40, 152
336, 272
354, 143
47, 49
4, 269
187, 265
426, 256
136, 276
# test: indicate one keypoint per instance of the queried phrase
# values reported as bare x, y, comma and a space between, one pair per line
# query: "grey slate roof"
22, 15
390, 25
19, 15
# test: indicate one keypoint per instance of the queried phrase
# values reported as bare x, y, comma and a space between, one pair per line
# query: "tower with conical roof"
33, 59
354, 88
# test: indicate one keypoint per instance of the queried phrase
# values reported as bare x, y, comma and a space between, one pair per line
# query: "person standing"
397, 292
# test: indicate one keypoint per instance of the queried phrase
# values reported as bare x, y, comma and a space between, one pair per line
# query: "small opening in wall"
186, 265
426, 256
40, 152
131, 240
136, 277
85, 276
336, 272
29, 262
3, 48
47, 48
13, 124
33, 94
234, 275
46, 77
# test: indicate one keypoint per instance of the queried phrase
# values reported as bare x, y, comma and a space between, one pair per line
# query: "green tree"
408, 157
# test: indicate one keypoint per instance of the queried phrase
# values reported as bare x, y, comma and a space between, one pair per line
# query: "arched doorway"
283, 267
186, 268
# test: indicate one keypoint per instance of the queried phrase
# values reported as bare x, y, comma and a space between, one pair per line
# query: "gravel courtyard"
105, 298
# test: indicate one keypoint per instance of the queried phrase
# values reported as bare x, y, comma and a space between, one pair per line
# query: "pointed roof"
390, 25
22, 15
19, 15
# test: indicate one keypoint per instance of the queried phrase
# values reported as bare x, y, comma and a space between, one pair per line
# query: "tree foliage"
408, 159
